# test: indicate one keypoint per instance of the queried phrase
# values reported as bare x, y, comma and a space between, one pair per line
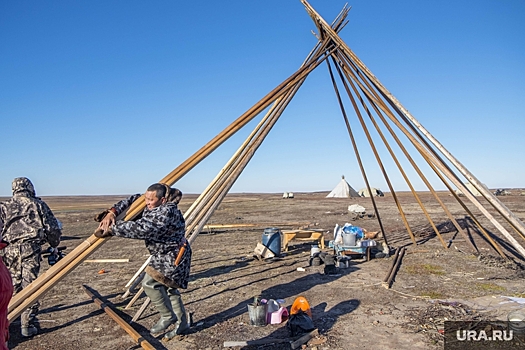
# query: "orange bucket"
300, 304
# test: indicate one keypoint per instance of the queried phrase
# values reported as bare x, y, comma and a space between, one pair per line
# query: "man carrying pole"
162, 227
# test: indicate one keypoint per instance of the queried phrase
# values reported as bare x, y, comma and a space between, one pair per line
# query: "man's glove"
54, 255
100, 233
101, 216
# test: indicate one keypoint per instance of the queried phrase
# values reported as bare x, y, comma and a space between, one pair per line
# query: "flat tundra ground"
351, 309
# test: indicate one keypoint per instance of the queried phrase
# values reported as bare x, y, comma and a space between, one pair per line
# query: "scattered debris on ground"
430, 320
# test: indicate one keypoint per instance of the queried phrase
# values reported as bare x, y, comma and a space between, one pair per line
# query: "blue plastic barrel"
271, 239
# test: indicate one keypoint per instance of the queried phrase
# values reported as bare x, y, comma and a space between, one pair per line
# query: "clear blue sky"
107, 97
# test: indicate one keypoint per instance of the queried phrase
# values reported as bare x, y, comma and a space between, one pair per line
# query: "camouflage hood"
22, 186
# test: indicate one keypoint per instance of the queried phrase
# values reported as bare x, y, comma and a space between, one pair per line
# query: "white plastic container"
516, 321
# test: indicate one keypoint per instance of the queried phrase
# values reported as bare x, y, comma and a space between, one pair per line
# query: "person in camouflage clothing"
6, 292
163, 228
28, 223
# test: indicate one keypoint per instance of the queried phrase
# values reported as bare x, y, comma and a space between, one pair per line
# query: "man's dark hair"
159, 189
162, 190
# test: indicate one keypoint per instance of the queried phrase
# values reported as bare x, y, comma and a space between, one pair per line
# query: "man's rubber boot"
28, 331
182, 325
159, 297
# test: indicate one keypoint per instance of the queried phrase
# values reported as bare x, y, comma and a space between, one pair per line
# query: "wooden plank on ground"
132, 332
294, 344
303, 339
107, 261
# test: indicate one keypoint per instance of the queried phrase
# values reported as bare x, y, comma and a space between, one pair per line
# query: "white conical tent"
343, 190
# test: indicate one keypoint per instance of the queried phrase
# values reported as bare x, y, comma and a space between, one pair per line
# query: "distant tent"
375, 191
342, 190
472, 189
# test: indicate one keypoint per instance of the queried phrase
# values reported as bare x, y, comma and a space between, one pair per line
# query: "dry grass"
432, 295
490, 287
424, 269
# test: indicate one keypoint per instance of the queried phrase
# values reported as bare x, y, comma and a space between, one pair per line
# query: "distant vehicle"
502, 192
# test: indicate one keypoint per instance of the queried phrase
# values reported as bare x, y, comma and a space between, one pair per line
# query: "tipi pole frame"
427, 156
431, 159
358, 157
392, 154
321, 23
405, 152
372, 146
134, 299
342, 46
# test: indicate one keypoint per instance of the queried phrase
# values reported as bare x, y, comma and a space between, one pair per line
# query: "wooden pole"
107, 309
358, 157
143, 308
107, 261
372, 146
396, 254
395, 266
134, 299
133, 285
137, 274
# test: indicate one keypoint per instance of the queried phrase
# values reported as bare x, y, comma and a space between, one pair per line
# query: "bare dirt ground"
351, 309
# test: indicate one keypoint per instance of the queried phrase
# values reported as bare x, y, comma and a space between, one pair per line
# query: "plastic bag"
338, 238
358, 231
299, 323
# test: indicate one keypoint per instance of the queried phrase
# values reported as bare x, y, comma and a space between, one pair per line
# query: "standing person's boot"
156, 291
27, 329
183, 320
